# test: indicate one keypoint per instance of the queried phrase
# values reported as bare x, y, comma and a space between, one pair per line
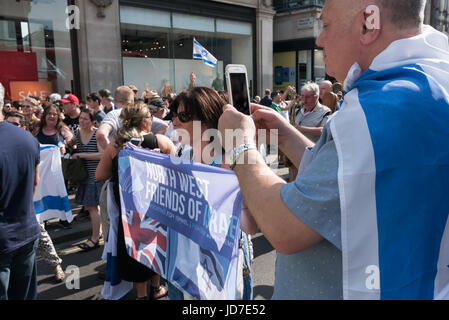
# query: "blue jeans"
18, 273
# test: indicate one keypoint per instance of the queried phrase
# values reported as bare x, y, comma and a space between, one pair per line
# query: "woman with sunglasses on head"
201, 106
136, 128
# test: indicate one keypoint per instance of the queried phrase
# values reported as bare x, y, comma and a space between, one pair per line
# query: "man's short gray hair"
311, 86
404, 14
54, 97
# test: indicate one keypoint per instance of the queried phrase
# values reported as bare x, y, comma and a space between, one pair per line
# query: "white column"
99, 48
442, 15
264, 46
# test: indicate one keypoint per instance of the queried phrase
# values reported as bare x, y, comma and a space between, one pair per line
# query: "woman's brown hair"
89, 112
43, 121
131, 116
202, 102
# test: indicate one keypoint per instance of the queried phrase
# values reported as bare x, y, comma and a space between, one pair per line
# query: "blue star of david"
206, 273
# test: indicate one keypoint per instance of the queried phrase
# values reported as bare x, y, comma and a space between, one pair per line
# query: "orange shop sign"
22, 89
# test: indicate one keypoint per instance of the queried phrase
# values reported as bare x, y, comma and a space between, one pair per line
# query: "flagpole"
194, 61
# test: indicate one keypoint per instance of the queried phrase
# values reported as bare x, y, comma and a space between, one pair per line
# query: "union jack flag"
146, 241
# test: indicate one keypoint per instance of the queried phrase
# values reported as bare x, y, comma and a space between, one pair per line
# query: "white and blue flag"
114, 287
51, 199
199, 52
391, 136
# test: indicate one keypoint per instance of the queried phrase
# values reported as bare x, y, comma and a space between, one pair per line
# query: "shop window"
319, 67
158, 53
304, 67
284, 70
35, 50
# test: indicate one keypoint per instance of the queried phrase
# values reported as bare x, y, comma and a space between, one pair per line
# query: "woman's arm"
165, 145
104, 169
69, 137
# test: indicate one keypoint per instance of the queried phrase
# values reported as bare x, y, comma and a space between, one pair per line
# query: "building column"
99, 47
264, 44
441, 20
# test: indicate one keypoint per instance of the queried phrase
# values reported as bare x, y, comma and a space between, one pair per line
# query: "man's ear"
372, 25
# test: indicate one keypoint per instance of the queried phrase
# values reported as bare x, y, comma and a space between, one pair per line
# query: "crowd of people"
326, 137
95, 131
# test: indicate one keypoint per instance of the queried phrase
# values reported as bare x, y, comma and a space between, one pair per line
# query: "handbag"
74, 170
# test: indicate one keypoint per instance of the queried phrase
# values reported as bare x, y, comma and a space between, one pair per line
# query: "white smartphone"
237, 83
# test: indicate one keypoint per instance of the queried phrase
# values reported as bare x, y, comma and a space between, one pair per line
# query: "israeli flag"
199, 52
114, 287
391, 138
51, 199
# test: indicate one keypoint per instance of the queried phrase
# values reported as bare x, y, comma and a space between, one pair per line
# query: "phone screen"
135, 141
239, 92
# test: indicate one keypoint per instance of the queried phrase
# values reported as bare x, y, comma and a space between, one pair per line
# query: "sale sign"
22, 89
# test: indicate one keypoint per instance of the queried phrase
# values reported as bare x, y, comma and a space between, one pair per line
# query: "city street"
90, 286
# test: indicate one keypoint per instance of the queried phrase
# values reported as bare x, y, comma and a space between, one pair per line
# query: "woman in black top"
52, 129
136, 125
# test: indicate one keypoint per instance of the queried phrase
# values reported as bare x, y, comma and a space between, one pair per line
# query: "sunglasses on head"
182, 116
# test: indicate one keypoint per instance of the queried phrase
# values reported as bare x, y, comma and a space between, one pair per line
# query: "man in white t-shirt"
106, 132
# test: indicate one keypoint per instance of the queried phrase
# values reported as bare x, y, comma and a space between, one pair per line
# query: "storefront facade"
157, 43
36, 56
148, 43
85, 46
296, 57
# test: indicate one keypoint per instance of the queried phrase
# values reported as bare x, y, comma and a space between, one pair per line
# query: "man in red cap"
70, 105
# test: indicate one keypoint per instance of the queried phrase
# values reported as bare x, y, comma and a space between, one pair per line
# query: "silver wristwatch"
235, 153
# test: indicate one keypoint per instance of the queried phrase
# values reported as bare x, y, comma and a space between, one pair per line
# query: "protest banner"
182, 220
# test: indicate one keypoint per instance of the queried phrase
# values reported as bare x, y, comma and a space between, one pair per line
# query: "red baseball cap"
70, 98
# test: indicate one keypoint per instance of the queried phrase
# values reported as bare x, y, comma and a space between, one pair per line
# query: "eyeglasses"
182, 116
308, 97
